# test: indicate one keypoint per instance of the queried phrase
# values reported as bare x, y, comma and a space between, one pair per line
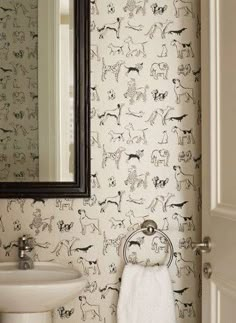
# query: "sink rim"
11, 267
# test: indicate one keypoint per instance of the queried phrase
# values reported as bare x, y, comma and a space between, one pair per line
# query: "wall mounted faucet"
25, 245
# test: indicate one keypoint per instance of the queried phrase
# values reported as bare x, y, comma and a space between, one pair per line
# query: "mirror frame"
80, 187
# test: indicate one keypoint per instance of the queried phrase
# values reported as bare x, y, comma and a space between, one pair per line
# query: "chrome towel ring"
149, 228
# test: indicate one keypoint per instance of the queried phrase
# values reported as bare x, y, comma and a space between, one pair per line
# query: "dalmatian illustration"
160, 156
135, 49
89, 310
136, 180
159, 70
184, 136
182, 178
114, 200
115, 243
184, 309
114, 156
183, 6
182, 48
87, 222
184, 221
110, 287
135, 7
180, 91
135, 136
160, 244
182, 265
112, 269
163, 199
89, 265
134, 93
115, 26
114, 69
114, 113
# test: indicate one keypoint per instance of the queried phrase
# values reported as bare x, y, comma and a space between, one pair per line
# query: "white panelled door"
219, 157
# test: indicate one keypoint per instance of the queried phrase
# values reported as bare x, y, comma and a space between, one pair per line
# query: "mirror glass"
37, 108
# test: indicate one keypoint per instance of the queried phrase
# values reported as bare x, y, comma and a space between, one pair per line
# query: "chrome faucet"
25, 245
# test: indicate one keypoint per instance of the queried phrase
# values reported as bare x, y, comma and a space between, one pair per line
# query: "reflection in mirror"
37, 91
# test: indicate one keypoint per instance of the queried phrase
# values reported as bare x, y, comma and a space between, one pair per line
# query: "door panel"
219, 157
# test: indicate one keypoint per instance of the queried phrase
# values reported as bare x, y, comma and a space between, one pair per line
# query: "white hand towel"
146, 295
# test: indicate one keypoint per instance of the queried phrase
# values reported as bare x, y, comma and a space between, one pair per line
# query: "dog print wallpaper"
146, 157
18, 91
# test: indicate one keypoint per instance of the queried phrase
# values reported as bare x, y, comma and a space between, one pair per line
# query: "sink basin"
41, 289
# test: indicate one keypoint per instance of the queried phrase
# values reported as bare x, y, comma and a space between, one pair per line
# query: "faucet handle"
26, 243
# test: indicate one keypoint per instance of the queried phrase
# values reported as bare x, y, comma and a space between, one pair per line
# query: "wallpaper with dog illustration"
18, 90
146, 160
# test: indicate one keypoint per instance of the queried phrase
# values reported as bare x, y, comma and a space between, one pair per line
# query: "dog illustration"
4, 20
184, 309
163, 199
94, 7
185, 243
184, 221
94, 54
165, 226
4, 172
114, 200
19, 158
115, 156
135, 221
94, 93
184, 69
160, 244
4, 50
178, 205
114, 69
112, 243
4, 111
160, 183
4, 81
182, 178
182, 5
135, 6
64, 227
183, 265
95, 139
185, 156
164, 51
115, 50
177, 32
65, 204
165, 138
134, 93
182, 48
137, 68
87, 222
135, 136
65, 314
117, 223
110, 287
91, 287
159, 70
115, 26
90, 201
160, 156
162, 26
135, 180
184, 135
39, 222
89, 310
116, 136
64, 244
114, 113
138, 155
89, 265
19, 202
138, 242
180, 91
135, 49
95, 181
157, 10
2, 224
159, 96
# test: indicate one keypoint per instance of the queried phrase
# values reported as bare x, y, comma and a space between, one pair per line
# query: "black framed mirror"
45, 99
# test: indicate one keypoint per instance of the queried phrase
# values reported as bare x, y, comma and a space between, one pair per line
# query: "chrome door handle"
203, 247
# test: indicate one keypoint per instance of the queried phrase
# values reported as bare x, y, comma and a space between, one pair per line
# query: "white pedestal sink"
29, 296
